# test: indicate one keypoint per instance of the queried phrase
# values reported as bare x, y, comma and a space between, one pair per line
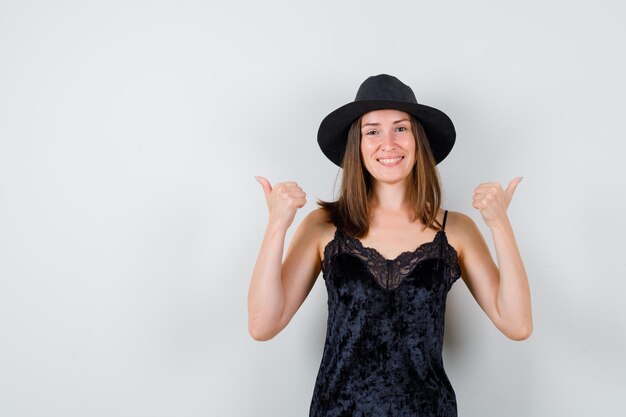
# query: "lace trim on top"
389, 273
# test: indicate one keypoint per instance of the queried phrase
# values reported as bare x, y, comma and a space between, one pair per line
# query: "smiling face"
387, 145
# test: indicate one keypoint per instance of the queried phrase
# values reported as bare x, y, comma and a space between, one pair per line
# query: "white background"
130, 219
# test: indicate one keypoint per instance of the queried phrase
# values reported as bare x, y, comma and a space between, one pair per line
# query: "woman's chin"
390, 178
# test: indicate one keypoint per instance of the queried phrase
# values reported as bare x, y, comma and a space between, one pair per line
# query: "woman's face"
387, 145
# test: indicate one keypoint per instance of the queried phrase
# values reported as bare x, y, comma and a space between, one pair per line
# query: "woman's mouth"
390, 162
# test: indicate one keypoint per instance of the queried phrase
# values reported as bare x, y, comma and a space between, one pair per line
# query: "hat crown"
385, 87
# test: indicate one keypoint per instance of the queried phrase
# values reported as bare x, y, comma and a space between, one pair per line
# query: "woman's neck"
389, 198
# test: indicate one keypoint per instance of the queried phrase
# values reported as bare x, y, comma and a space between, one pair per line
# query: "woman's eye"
371, 132
402, 128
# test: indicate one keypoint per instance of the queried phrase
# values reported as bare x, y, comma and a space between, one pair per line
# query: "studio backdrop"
130, 219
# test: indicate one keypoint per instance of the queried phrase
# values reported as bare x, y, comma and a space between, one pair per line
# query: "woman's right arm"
278, 289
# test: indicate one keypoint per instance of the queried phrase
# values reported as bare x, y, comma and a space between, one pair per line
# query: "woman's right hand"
283, 200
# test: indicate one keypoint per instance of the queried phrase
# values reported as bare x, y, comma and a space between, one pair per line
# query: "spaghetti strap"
443, 228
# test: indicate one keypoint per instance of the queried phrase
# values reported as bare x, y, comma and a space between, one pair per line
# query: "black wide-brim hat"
384, 92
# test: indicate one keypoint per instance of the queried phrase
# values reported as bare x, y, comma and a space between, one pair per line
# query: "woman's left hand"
492, 200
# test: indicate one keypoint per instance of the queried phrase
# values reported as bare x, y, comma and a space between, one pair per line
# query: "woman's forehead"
377, 116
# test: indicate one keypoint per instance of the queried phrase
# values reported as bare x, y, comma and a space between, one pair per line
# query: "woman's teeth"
390, 162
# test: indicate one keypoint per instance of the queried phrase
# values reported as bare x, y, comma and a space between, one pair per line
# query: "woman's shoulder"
318, 217
322, 221
321, 228
456, 216
459, 226
458, 220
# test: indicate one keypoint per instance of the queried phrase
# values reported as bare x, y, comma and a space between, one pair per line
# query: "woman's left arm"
503, 291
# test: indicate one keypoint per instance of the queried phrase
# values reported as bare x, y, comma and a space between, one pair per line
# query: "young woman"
389, 255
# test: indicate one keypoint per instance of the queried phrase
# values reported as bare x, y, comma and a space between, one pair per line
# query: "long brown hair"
351, 212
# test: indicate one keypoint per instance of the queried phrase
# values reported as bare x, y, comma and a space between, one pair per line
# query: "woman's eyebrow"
378, 124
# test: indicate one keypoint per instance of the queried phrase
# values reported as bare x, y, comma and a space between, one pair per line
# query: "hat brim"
333, 131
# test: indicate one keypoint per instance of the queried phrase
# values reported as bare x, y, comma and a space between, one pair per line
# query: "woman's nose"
388, 140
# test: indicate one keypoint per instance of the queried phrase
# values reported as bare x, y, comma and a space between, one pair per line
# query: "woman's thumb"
267, 188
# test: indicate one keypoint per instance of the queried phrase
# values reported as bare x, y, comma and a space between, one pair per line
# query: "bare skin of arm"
501, 291
278, 289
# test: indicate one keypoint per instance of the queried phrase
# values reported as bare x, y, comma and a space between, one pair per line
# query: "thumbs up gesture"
492, 200
283, 200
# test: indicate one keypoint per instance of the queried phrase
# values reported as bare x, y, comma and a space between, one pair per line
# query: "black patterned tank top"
384, 337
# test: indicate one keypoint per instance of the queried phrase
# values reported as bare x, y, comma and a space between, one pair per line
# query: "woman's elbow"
261, 333
260, 336
520, 334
